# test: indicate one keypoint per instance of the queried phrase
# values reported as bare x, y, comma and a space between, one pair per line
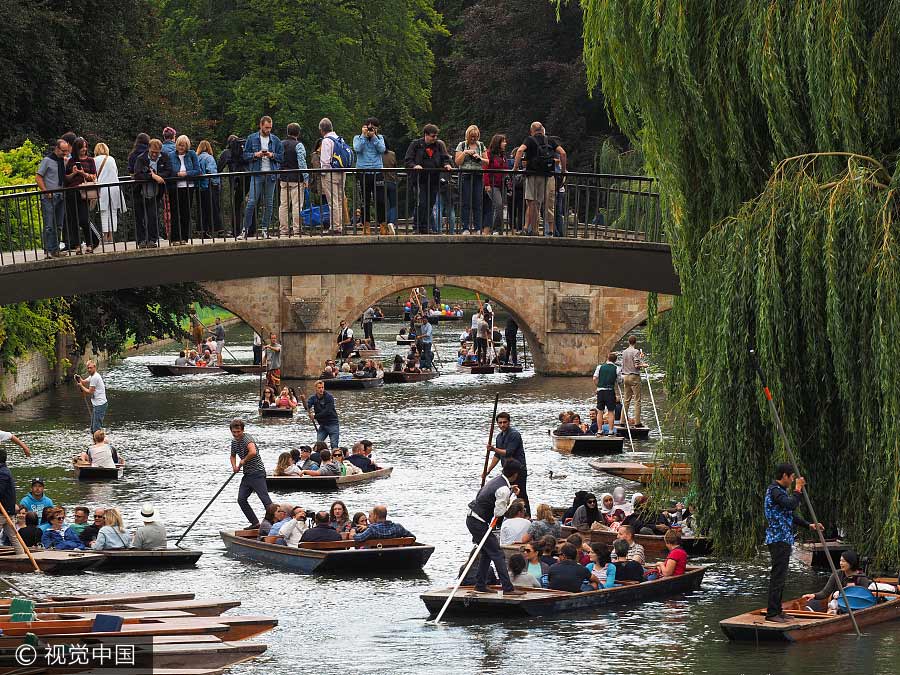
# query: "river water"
174, 434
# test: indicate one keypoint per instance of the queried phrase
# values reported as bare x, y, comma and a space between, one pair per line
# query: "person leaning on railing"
150, 171
369, 147
185, 165
210, 189
49, 176
111, 199
426, 153
495, 183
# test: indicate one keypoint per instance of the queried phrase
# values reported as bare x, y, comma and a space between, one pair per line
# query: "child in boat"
626, 570
517, 573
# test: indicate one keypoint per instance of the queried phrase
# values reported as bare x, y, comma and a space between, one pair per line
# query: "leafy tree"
34, 326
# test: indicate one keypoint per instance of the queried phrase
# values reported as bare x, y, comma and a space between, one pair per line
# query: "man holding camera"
264, 152
94, 387
369, 147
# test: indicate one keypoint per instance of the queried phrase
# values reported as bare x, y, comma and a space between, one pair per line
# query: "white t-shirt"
101, 455
99, 395
266, 163
475, 321
513, 529
5, 436
181, 167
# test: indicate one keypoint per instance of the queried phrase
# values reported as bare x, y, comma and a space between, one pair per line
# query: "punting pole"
471, 561
19, 537
624, 417
804, 492
653, 401
487, 453
199, 515
18, 590
306, 408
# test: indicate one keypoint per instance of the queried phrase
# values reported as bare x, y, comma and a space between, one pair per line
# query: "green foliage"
20, 226
27, 326
718, 95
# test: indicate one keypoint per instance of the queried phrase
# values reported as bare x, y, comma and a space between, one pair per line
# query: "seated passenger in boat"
584, 551
327, 373
305, 460
321, 531
151, 536
402, 334
412, 367
328, 466
286, 466
566, 426
676, 562
578, 500
534, 565
500, 358
286, 399
181, 360
339, 517
192, 357
587, 514
607, 508
271, 517
398, 363
292, 531
568, 574
634, 551
601, 567
368, 371
31, 534
346, 369
342, 457
358, 523
461, 354
547, 548
381, 528
619, 501
112, 535
518, 574
80, 516
626, 569
360, 457
89, 533
849, 575
100, 454
644, 519
544, 523
57, 536
515, 524
268, 400
593, 429
576, 420
282, 518
317, 448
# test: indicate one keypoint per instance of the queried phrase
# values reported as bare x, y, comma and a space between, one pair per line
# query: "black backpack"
236, 148
543, 162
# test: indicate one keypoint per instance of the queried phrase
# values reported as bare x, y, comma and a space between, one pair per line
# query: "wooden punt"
208, 608
640, 432
143, 629
509, 368
367, 353
281, 413
301, 483
86, 472
542, 602
399, 377
354, 383
216, 654
333, 557
587, 445
112, 598
401, 342
242, 368
676, 474
132, 559
477, 369
807, 625
50, 562
160, 370
813, 554
654, 546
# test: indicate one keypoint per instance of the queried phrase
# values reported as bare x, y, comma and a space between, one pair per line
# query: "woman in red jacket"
495, 183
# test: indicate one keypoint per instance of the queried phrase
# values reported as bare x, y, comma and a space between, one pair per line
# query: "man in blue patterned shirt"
382, 528
780, 507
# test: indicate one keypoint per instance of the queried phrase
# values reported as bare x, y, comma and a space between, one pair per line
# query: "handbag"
90, 190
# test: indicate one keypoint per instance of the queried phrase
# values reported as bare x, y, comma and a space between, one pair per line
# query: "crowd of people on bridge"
179, 188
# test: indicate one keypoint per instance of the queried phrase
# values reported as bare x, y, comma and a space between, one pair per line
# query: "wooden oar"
487, 453
19, 537
199, 515
804, 492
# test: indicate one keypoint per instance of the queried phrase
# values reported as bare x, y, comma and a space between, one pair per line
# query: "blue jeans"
391, 190
559, 225
54, 213
426, 359
472, 199
97, 415
330, 431
264, 185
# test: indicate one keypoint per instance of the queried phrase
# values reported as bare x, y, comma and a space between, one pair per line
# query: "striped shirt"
255, 465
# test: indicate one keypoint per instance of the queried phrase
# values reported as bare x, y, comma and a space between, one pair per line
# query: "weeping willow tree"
781, 243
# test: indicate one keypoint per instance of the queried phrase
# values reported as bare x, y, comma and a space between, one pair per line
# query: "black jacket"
7, 491
142, 173
418, 153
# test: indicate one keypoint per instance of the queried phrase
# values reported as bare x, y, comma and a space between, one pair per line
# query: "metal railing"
138, 214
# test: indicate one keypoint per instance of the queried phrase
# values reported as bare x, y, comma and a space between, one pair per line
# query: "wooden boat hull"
210, 654
160, 370
108, 598
676, 474
86, 472
51, 562
654, 546
508, 368
587, 445
811, 553
306, 561
367, 353
309, 483
393, 377
131, 559
242, 369
280, 413
639, 433
543, 602
477, 370
207, 608
353, 383
405, 343
752, 626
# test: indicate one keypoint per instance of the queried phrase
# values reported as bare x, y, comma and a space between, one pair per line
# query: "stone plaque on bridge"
305, 311
573, 312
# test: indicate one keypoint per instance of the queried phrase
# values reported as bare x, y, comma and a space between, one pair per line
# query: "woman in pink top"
495, 183
675, 564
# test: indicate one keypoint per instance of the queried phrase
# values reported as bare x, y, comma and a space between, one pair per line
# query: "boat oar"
199, 515
624, 416
804, 492
472, 558
19, 537
487, 453
653, 401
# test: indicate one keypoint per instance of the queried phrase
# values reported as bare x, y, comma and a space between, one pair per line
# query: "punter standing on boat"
605, 377
243, 446
367, 320
345, 341
8, 436
8, 499
631, 373
272, 360
511, 333
424, 340
218, 334
321, 408
780, 505
96, 388
507, 447
492, 501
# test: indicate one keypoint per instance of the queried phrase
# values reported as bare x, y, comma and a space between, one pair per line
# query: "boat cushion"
107, 623
22, 606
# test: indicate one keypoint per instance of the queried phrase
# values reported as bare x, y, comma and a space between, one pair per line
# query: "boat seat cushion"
21, 606
107, 623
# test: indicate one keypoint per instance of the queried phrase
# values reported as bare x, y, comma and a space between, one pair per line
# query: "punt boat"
331, 557
50, 562
242, 368
290, 483
475, 369
281, 413
806, 625
133, 559
676, 474
86, 472
399, 377
354, 383
405, 342
509, 368
813, 554
162, 370
366, 353
640, 432
654, 546
587, 445
542, 601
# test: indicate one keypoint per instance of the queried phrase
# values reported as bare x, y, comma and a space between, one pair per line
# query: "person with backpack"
264, 152
335, 154
538, 153
426, 153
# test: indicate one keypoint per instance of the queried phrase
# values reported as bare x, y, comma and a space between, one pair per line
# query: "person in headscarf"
587, 514
607, 507
619, 501
579, 500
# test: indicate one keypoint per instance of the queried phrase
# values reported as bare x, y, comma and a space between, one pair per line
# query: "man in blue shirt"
321, 409
424, 340
780, 507
36, 500
264, 152
369, 148
509, 446
382, 528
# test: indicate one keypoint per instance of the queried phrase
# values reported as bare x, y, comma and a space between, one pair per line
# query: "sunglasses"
96, 517
59, 518
591, 501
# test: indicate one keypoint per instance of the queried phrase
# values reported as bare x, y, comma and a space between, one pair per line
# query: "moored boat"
301, 483
333, 557
675, 474
509, 368
86, 472
50, 562
640, 432
541, 601
813, 554
161, 370
399, 377
587, 445
285, 413
654, 546
242, 368
135, 559
354, 383
476, 369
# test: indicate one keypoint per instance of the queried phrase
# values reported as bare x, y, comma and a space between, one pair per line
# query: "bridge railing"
138, 214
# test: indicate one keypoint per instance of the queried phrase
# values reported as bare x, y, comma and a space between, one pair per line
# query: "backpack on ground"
543, 162
341, 155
